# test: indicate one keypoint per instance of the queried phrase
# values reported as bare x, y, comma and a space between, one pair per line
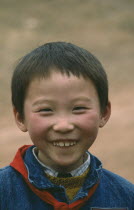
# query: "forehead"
61, 80
58, 87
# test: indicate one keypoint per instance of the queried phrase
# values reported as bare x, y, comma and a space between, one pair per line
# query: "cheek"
89, 121
37, 126
89, 126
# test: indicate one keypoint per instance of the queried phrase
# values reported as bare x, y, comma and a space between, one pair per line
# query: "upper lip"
64, 139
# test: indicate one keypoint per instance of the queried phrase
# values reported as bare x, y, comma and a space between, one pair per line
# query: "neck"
61, 169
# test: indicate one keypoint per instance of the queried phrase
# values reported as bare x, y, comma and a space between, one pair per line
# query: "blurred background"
105, 28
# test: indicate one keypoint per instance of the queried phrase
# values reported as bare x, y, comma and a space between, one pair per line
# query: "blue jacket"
113, 192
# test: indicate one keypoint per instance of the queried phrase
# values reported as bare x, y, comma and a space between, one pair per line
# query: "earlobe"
105, 115
19, 121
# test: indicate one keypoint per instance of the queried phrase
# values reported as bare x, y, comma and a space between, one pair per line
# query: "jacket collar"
26, 164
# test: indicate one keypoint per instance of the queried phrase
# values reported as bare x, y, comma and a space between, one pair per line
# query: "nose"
63, 126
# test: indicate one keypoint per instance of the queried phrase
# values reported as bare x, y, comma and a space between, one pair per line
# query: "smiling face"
62, 115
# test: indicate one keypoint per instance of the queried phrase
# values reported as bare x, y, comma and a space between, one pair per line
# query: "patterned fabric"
64, 175
71, 184
77, 172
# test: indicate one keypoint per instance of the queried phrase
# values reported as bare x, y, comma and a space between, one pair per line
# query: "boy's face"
62, 116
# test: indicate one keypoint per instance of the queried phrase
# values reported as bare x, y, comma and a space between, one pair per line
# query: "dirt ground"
106, 29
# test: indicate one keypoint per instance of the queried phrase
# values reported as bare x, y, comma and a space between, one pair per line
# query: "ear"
105, 115
19, 121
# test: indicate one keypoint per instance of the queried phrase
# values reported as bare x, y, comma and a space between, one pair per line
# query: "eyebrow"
82, 98
43, 101
40, 102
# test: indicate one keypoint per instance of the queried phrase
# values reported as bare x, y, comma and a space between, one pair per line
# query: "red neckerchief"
18, 164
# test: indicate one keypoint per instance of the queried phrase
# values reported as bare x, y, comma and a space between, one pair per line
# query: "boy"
60, 97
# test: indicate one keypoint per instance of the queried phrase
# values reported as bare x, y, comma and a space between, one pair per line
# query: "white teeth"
61, 144
64, 144
67, 144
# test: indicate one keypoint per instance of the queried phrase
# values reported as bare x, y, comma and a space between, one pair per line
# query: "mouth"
64, 143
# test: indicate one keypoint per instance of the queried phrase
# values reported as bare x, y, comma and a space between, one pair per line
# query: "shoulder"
6, 180
118, 182
116, 178
11, 183
7, 175
5, 171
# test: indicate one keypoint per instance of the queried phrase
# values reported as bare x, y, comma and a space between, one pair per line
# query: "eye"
45, 110
79, 109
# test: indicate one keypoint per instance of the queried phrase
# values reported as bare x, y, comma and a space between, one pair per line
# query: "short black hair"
66, 58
